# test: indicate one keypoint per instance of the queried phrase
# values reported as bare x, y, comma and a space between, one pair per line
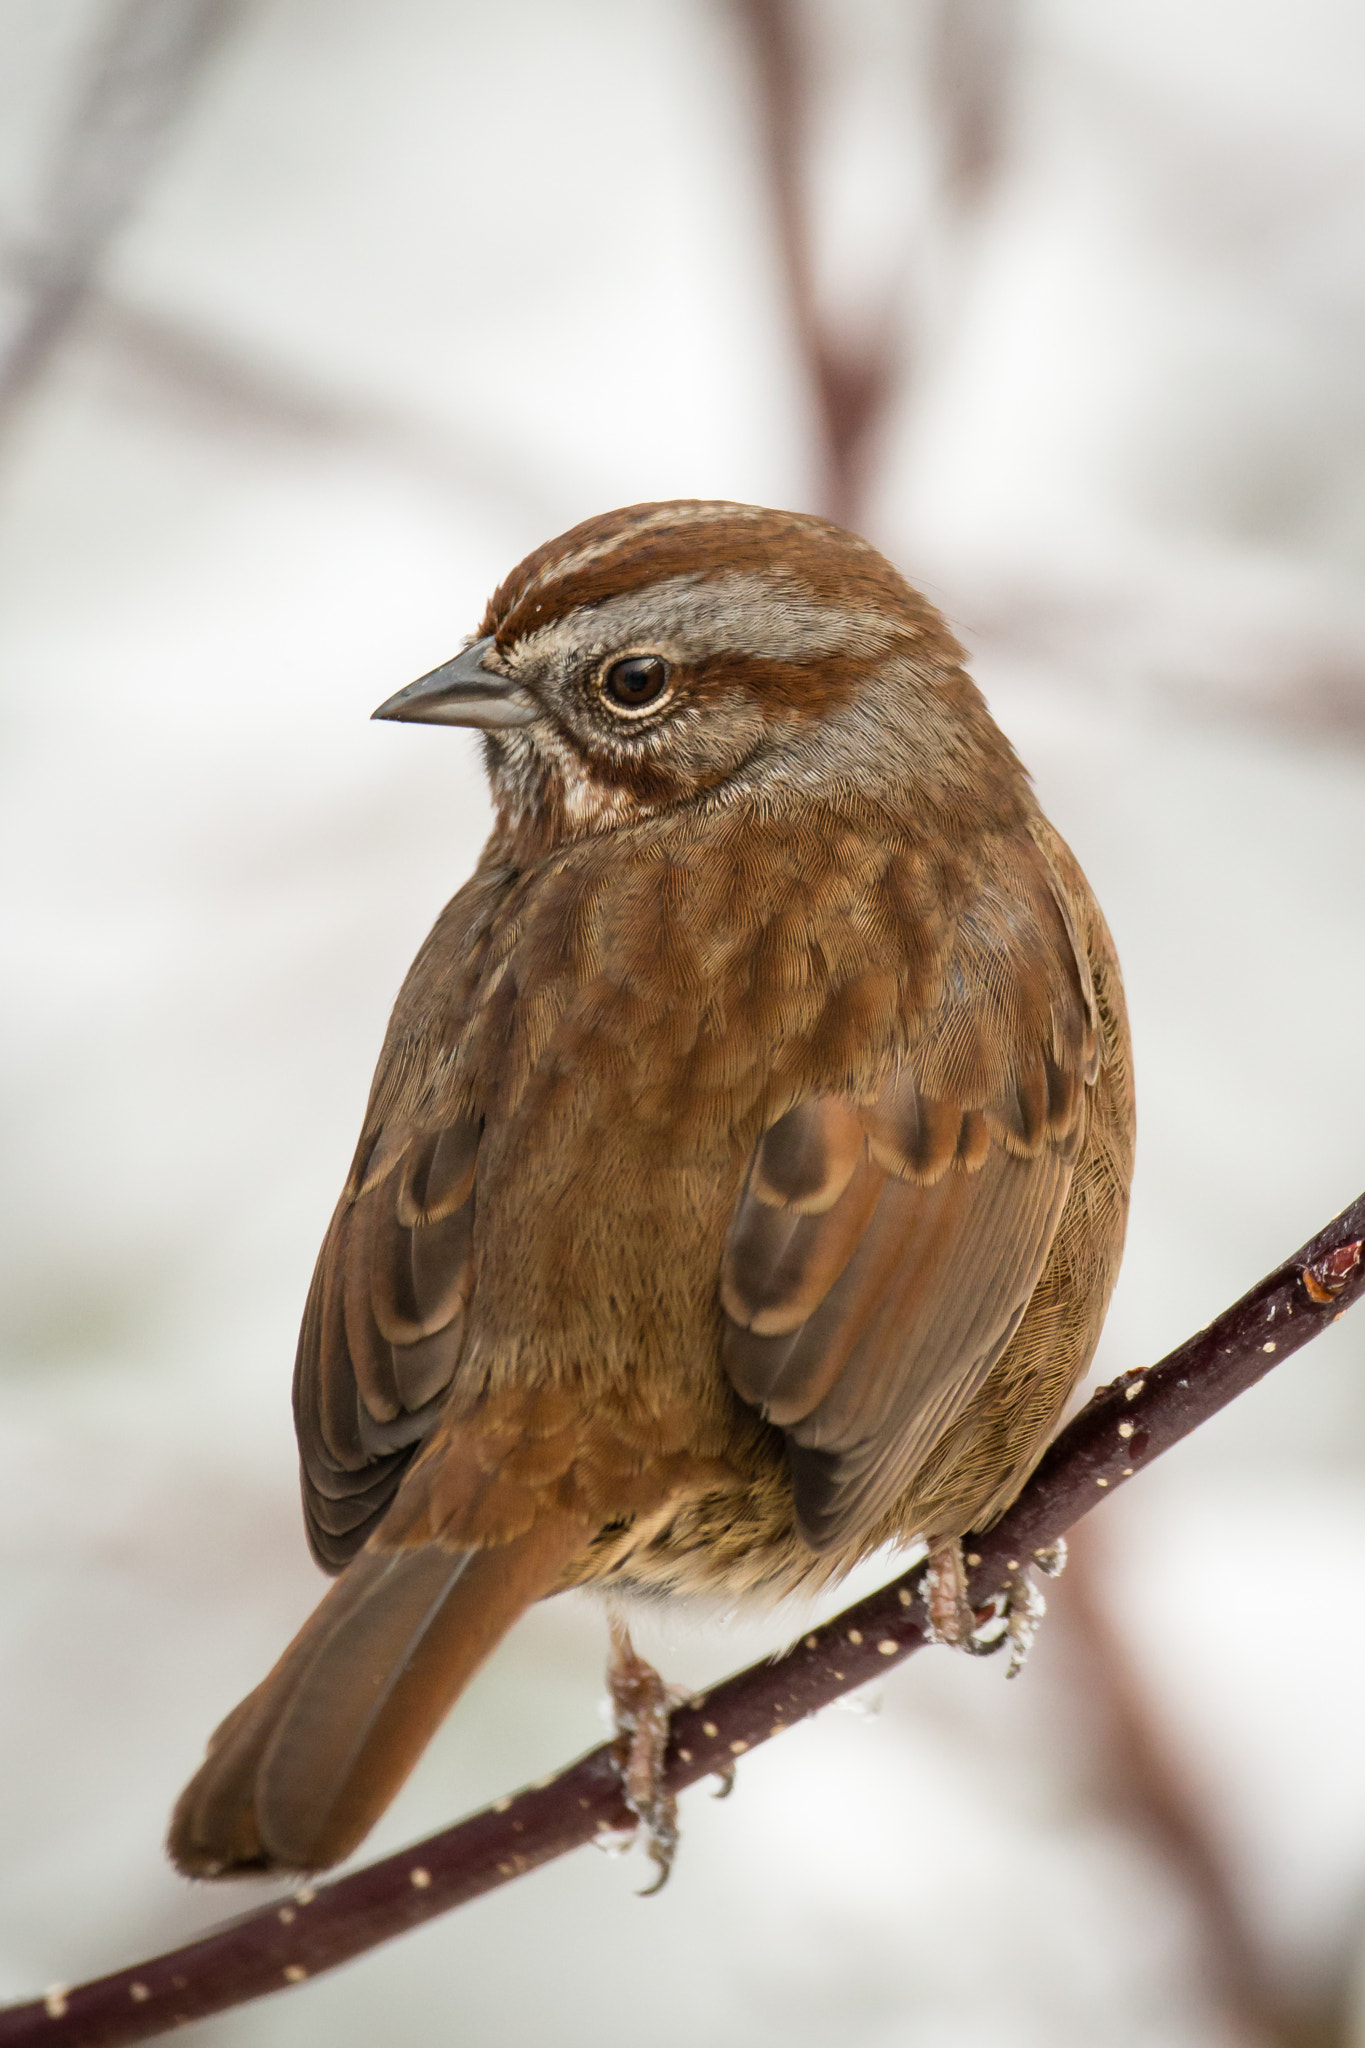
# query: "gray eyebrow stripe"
736, 612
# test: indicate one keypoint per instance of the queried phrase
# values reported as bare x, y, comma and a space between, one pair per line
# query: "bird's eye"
635, 683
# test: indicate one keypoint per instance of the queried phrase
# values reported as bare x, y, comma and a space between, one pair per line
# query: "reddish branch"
851, 381
1122, 1429
854, 376
972, 49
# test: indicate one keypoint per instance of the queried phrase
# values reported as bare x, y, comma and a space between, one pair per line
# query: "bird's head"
697, 652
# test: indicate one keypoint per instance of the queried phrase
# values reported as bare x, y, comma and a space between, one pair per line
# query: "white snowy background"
410, 288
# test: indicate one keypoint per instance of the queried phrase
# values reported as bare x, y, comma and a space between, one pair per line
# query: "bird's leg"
949, 1612
643, 1705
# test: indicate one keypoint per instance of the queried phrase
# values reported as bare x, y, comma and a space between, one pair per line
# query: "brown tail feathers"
301, 1770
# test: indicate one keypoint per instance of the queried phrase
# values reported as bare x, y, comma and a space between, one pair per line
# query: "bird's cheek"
722, 742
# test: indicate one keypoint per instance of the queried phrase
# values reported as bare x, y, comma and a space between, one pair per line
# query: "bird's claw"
1024, 1611
661, 1843
1025, 1606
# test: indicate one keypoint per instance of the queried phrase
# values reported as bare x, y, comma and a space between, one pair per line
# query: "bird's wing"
384, 1319
383, 1325
882, 1253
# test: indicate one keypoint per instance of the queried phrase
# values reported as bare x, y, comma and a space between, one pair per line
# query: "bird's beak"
462, 692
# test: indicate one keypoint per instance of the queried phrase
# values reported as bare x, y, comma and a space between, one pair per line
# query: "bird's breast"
642, 1014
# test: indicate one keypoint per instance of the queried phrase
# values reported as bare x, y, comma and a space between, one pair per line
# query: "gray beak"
462, 692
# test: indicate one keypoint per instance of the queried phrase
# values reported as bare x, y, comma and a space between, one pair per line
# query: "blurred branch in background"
855, 376
140, 74
973, 47
1123, 1428
1151, 1791
852, 379
220, 384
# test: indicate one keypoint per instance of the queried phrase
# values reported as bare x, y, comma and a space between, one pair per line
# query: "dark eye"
639, 680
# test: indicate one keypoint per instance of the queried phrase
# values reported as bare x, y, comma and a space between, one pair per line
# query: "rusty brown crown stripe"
637, 545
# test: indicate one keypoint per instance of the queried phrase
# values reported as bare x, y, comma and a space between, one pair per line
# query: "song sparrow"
745, 1173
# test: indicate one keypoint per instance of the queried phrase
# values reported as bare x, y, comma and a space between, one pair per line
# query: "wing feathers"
438, 1177
425, 1369
779, 1264
911, 1134
929, 1328
441, 1259
382, 1333
807, 1159
365, 1246
863, 1324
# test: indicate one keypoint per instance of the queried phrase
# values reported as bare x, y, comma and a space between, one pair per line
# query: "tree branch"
1120, 1431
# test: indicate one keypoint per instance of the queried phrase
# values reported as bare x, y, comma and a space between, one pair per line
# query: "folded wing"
383, 1325
882, 1253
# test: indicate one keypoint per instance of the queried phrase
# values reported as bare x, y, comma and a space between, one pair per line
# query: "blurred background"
315, 316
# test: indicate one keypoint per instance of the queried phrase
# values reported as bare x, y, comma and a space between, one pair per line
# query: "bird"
745, 1173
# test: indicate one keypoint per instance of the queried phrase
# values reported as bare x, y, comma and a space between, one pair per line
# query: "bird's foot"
642, 1706
1024, 1609
1024, 1605
1012, 1619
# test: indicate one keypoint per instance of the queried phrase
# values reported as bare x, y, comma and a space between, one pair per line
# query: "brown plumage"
745, 1173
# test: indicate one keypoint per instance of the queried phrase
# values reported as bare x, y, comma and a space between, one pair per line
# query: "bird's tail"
301, 1770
